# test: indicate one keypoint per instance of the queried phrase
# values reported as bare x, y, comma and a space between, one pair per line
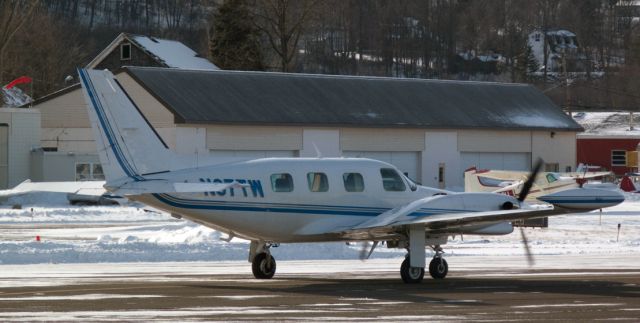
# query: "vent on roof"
153, 39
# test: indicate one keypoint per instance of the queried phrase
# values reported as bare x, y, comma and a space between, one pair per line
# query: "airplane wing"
84, 188
588, 175
393, 221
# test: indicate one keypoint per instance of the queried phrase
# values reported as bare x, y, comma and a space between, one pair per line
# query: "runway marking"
241, 297
81, 297
568, 305
75, 290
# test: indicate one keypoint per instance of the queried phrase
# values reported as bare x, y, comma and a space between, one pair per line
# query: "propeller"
364, 255
526, 188
527, 249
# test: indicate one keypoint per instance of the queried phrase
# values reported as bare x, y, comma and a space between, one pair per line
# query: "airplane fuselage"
260, 210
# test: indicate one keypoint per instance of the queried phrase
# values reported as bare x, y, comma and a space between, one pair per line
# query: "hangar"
430, 129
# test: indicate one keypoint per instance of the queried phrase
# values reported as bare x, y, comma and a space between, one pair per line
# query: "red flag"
20, 80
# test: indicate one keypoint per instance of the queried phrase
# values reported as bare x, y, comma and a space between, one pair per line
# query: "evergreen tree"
532, 63
234, 40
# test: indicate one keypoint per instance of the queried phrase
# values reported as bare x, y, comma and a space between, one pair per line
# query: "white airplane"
288, 200
511, 182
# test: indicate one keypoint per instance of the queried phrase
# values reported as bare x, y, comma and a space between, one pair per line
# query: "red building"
606, 151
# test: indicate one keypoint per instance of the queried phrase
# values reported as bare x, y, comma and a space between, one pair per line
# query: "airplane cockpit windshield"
391, 181
552, 177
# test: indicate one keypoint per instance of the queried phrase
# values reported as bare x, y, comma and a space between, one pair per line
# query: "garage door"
496, 161
405, 161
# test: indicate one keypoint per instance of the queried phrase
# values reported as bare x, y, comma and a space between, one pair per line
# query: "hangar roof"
240, 97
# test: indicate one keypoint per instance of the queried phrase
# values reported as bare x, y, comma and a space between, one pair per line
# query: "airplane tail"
128, 146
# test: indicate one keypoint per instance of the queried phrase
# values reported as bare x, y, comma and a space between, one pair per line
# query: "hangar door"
496, 161
406, 161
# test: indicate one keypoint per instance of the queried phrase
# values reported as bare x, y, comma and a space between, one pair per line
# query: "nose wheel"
438, 268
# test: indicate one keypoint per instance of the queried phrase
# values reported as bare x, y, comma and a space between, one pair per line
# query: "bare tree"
13, 15
283, 22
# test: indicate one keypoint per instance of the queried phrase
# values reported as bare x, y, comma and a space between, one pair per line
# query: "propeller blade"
364, 255
527, 249
526, 187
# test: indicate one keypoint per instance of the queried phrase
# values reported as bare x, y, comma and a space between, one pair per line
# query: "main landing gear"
438, 268
263, 265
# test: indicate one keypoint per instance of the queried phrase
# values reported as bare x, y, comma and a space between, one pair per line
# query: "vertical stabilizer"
127, 143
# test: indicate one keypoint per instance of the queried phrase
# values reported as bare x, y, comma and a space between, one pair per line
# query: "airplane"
269, 201
511, 182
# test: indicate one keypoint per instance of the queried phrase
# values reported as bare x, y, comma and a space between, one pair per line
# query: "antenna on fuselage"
318, 153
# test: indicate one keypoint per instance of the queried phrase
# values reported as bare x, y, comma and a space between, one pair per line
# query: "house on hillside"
607, 138
138, 50
562, 47
431, 130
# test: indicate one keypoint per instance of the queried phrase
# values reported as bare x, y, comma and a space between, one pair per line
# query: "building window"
391, 181
318, 182
89, 172
618, 158
551, 167
125, 51
537, 36
282, 182
353, 182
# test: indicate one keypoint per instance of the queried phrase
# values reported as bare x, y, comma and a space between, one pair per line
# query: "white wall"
24, 135
325, 141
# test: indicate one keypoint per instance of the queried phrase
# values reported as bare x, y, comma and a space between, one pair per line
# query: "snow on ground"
95, 234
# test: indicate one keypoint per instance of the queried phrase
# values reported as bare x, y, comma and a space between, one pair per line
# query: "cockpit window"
551, 177
318, 182
281, 182
391, 180
353, 182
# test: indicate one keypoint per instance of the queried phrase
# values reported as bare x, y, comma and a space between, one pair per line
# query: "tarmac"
315, 291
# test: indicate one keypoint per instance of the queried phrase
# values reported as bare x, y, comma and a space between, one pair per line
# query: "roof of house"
170, 53
235, 97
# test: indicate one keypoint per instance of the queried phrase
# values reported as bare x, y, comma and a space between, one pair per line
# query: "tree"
234, 41
13, 15
283, 22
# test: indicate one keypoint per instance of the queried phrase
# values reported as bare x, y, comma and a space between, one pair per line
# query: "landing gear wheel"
263, 266
411, 275
438, 268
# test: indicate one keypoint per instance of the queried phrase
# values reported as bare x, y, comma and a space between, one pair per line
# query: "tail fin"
127, 143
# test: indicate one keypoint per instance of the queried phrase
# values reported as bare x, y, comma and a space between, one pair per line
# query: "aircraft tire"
262, 268
438, 268
410, 275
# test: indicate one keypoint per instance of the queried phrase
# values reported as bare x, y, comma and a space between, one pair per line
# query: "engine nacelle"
586, 199
496, 229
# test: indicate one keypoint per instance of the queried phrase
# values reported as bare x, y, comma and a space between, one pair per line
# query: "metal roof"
238, 97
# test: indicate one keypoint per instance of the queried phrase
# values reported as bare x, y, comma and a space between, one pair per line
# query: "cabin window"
391, 181
353, 182
125, 51
618, 158
318, 182
281, 182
